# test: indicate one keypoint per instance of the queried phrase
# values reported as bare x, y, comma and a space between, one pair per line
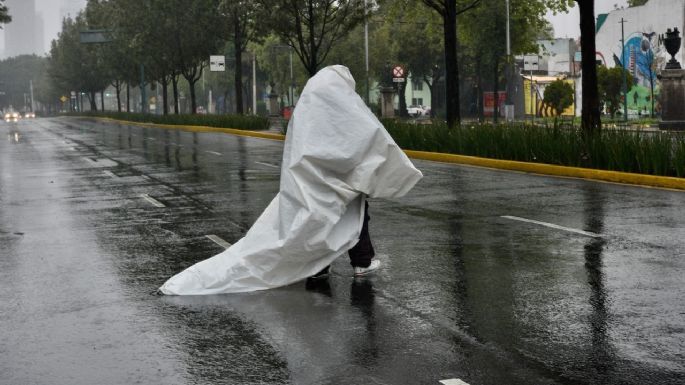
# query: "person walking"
336, 154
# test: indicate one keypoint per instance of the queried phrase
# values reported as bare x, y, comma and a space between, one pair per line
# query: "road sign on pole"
217, 63
398, 72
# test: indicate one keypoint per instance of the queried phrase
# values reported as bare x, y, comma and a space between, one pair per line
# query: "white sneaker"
362, 271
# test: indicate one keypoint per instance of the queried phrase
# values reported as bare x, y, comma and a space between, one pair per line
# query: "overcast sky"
565, 25
568, 24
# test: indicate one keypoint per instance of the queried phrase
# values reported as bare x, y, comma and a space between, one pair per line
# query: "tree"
590, 116
242, 18
449, 10
559, 95
610, 86
16, 75
4, 14
312, 27
483, 40
636, 3
75, 66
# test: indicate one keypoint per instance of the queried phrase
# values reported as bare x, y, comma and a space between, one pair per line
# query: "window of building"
417, 86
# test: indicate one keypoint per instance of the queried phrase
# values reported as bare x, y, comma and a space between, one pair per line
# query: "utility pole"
623, 64
292, 81
254, 84
33, 106
508, 105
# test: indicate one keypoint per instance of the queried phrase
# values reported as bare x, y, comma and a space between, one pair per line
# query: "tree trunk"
174, 84
591, 121
238, 48
128, 98
165, 95
453, 114
193, 102
117, 87
93, 102
102, 100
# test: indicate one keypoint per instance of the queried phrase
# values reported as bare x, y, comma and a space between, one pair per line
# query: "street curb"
535, 168
553, 170
234, 131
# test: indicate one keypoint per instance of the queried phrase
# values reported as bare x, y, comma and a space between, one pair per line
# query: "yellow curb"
549, 169
234, 131
535, 168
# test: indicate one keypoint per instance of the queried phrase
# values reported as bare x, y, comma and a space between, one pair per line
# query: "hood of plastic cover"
336, 153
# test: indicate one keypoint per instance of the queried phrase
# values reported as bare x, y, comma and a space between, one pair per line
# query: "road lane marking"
553, 226
214, 153
453, 381
149, 138
218, 241
89, 160
152, 200
268, 164
72, 148
110, 174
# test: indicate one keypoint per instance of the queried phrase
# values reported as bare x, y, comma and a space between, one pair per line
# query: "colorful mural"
642, 57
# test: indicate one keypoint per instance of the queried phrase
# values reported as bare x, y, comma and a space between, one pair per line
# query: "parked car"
416, 111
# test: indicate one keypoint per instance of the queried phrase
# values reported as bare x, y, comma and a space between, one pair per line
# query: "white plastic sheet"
336, 152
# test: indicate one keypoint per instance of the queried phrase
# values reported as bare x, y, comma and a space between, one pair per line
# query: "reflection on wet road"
490, 277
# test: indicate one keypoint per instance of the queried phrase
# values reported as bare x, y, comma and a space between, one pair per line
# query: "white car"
416, 111
12, 116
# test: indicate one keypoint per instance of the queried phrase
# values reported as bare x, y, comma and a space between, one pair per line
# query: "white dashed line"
268, 164
553, 226
149, 138
453, 381
218, 241
110, 174
152, 200
89, 160
214, 153
72, 148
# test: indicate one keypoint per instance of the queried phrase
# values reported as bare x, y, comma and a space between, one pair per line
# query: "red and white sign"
398, 72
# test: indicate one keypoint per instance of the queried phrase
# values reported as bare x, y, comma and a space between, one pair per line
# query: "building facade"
630, 37
22, 34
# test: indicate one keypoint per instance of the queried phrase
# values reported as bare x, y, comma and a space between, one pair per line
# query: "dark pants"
362, 253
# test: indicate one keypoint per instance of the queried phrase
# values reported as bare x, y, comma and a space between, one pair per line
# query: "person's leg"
362, 253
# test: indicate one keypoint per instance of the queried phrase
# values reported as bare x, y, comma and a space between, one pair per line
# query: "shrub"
655, 153
240, 122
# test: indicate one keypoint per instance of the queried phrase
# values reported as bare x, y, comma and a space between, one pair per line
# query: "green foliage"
635, 3
77, 66
610, 86
652, 153
559, 95
4, 14
312, 27
241, 122
16, 73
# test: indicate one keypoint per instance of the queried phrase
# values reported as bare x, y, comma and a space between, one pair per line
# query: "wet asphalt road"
95, 216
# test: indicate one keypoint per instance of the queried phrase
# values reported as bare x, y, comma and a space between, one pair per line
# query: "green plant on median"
240, 122
654, 153
559, 95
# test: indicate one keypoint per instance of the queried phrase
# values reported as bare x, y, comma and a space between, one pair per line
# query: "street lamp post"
623, 64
